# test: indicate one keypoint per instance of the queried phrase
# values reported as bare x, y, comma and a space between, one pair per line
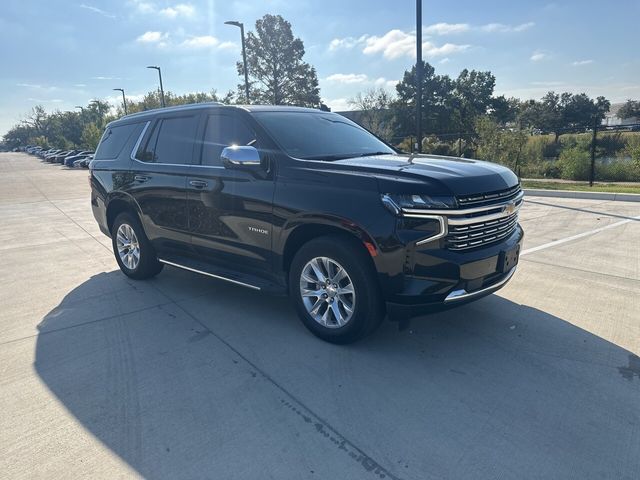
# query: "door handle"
199, 184
141, 178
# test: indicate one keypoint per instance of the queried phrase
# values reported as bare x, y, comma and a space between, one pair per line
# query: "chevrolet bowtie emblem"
509, 208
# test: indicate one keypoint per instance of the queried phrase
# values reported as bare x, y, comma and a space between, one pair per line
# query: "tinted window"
319, 136
171, 141
115, 138
222, 131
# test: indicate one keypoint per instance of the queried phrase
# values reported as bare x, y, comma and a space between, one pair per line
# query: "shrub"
574, 164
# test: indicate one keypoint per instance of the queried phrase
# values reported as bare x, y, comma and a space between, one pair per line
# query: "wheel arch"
121, 203
302, 232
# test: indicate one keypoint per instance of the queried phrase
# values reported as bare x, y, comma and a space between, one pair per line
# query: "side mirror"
240, 156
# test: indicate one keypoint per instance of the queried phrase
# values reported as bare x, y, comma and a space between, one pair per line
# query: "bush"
574, 164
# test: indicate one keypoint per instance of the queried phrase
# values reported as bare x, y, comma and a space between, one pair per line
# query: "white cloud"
360, 79
97, 10
538, 56
383, 82
158, 39
447, 28
347, 78
179, 10
45, 100
228, 46
203, 41
502, 28
338, 104
348, 42
394, 44
580, 63
80, 85
105, 78
444, 60
185, 10
151, 37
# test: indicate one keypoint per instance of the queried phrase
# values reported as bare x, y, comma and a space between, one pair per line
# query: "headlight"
396, 202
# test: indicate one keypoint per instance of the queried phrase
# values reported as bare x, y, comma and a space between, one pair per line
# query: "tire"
368, 308
147, 264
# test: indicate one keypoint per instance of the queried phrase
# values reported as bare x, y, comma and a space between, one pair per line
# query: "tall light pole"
244, 55
419, 74
124, 100
160, 76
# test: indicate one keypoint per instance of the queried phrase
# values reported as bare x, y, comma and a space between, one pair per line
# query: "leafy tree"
152, 100
498, 145
376, 114
504, 110
472, 93
91, 136
437, 95
278, 75
630, 109
580, 111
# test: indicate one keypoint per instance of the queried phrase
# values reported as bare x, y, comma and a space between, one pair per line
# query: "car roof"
148, 114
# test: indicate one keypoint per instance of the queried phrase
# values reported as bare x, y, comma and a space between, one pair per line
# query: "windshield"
320, 136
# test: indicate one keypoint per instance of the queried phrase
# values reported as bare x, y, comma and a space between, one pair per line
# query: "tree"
504, 110
375, 111
473, 92
579, 111
278, 75
498, 145
152, 100
630, 109
437, 95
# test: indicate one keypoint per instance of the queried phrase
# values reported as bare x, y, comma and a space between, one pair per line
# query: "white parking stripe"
575, 237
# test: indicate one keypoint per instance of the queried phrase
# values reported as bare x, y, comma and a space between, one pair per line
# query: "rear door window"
115, 138
171, 141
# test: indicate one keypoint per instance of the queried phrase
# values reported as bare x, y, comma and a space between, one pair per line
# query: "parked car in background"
84, 162
70, 160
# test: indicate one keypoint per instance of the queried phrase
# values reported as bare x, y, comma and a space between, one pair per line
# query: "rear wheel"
133, 251
334, 289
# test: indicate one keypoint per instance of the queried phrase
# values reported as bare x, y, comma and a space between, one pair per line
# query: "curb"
621, 197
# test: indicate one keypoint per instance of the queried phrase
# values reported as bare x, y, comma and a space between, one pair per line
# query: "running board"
201, 272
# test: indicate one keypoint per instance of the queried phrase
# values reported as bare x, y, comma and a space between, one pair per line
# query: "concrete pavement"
187, 377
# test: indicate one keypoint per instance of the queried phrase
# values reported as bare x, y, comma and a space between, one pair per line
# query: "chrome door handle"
141, 178
200, 184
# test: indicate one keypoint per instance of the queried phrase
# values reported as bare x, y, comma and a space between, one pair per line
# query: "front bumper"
438, 279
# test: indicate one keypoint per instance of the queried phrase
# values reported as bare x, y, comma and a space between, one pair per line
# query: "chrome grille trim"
476, 226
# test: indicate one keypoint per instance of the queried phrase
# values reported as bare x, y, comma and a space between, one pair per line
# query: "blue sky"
63, 53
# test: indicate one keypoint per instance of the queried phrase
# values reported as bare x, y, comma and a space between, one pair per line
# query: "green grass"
584, 187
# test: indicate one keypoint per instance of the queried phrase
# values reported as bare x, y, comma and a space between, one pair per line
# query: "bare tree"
376, 116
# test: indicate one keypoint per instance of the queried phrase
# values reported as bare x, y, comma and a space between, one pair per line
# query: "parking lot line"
578, 236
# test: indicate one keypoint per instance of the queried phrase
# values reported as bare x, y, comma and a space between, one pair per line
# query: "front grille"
463, 237
489, 198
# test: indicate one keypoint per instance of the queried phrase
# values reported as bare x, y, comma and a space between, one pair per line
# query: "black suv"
304, 202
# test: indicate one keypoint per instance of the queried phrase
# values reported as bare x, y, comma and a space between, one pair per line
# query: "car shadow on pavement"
187, 377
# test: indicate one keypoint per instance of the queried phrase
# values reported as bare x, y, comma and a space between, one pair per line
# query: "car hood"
435, 175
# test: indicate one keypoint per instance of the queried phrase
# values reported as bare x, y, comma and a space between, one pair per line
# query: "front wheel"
133, 250
334, 289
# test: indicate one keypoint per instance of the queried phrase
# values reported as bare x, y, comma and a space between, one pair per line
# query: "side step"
247, 281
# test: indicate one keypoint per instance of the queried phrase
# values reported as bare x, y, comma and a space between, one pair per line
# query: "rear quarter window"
115, 138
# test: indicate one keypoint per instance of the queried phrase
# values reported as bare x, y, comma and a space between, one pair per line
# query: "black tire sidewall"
369, 309
148, 265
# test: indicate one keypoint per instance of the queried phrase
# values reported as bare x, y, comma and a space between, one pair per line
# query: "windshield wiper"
371, 154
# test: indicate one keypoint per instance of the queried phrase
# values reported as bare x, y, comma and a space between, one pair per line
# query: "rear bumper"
439, 279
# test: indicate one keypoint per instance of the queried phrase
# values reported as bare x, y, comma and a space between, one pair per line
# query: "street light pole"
160, 76
419, 75
124, 100
244, 55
